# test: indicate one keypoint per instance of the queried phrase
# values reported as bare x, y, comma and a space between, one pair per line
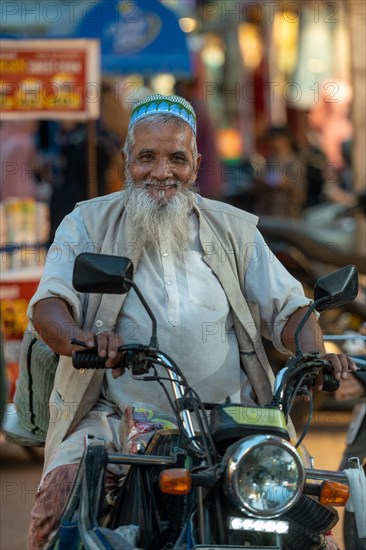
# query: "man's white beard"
156, 221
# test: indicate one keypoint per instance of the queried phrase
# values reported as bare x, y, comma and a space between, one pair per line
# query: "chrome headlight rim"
239, 452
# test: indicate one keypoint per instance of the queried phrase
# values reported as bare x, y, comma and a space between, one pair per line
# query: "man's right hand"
56, 326
107, 344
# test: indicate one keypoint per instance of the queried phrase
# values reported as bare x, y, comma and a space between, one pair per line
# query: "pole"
92, 159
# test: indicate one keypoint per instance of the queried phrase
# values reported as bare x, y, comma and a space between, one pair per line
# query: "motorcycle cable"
308, 422
187, 440
203, 422
293, 393
312, 361
205, 431
288, 403
208, 449
289, 395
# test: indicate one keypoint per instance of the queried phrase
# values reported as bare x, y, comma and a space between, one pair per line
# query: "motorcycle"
227, 475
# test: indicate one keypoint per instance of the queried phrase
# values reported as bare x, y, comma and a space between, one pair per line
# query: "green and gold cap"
165, 104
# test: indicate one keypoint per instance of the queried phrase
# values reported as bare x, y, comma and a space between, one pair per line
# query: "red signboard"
52, 79
15, 293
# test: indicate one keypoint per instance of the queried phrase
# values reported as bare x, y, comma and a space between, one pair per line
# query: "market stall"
40, 79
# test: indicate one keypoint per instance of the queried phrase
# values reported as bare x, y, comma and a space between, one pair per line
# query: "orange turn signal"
334, 493
175, 481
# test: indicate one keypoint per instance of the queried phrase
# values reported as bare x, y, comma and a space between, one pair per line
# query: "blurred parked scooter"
325, 238
352, 392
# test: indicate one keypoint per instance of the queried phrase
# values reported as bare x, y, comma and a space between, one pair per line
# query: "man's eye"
178, 158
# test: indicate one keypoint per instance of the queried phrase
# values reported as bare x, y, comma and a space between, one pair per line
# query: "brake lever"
330, 384
137, 363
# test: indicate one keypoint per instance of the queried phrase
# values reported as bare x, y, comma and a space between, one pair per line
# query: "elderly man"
209, 277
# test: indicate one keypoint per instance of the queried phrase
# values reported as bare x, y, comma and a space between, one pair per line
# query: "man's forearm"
53, 321
311, 336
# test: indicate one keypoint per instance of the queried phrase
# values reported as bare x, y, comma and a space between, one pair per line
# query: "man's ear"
123, 154
198, 162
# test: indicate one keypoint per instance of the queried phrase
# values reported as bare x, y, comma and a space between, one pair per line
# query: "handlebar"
299, 376
330, 384
301, 372
88, 360
138, 358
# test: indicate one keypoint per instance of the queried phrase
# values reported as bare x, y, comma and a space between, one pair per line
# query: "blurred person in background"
315, 163
114, 119
72, 184
339, 188
18, 159
280, 184
210, 181
330, 118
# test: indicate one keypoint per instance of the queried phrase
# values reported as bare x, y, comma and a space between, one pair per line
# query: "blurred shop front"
255, 64
298, 65
259, 64
276, 64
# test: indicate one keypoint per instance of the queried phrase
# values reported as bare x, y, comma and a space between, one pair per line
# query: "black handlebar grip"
330, 384
88, 360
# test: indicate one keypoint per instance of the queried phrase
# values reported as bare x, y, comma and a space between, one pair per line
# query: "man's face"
162, 160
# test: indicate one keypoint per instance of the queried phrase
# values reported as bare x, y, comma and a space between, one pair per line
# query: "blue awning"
139, 36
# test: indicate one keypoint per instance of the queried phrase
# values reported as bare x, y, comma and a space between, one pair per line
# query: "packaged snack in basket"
140, 423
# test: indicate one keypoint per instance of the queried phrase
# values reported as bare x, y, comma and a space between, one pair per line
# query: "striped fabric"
37, 370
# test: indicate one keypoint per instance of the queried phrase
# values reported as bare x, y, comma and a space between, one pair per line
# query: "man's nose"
161, 169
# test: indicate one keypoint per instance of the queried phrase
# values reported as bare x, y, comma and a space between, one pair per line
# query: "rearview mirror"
337, 288
102, 273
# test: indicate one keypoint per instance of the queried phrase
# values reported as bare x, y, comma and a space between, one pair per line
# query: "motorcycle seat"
14, 431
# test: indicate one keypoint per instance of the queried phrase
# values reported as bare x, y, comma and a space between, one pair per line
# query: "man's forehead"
154, 135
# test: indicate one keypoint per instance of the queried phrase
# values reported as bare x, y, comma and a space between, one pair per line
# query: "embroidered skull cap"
157, 103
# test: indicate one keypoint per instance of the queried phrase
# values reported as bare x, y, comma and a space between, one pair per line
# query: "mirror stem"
303, 321
154, 339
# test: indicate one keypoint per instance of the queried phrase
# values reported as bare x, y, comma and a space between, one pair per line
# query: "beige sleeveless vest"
227, 236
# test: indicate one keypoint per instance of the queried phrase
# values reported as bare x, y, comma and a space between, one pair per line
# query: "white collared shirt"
194, 319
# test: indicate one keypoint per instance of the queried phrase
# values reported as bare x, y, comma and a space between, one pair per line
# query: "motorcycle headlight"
264, 475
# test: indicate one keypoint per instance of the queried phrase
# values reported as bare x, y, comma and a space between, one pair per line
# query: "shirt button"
165, 254
170, 282
98, 323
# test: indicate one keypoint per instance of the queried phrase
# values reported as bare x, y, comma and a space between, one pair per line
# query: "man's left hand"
341, 364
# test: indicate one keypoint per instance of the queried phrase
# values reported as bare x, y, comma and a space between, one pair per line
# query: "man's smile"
161, 185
